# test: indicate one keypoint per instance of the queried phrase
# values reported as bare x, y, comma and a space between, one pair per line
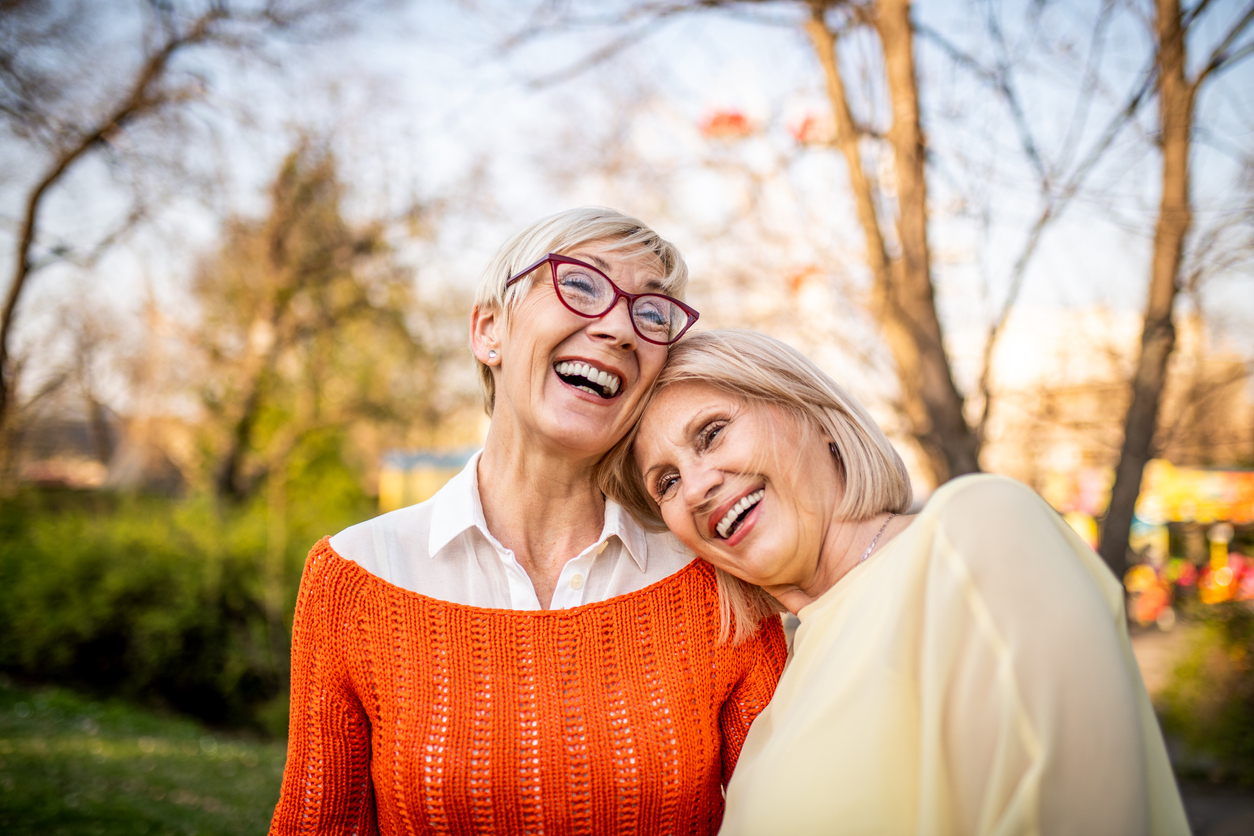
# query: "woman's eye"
709, 433
665, 484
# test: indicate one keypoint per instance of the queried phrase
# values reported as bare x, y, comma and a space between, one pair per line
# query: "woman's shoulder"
329, 582
412, 530
978, 498
1003, 535
366, 543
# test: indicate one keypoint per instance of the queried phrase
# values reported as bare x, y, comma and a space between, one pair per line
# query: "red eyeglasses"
587, 291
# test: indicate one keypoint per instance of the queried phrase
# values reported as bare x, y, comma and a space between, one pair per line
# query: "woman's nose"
616, 324
699, 484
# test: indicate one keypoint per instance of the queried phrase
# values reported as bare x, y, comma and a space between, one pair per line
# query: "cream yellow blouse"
974, 676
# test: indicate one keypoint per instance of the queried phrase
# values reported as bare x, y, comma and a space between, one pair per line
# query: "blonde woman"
962, 670
516, 654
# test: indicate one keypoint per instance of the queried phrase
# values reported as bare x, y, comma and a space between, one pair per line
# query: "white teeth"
736, 510
608, 382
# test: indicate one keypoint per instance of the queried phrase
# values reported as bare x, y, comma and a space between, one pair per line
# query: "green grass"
71, 766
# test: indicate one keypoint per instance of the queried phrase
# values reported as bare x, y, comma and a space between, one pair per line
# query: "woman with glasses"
962, 670
516, 654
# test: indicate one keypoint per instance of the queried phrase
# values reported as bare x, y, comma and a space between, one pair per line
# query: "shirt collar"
456, 507
619, 523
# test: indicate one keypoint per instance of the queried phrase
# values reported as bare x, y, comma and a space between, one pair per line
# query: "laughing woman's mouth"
588, 378
736, 514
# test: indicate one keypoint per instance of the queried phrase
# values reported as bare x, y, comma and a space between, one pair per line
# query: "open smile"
725, 526
589, 378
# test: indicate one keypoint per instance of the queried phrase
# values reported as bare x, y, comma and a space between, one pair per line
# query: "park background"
240, 241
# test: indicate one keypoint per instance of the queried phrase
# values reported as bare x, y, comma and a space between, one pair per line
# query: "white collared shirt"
442, 548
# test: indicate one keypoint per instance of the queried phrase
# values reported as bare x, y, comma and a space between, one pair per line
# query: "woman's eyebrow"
595, 260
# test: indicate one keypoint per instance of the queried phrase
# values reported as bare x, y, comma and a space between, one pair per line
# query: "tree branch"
1053, 209
1219, 57
138, 100
997, 80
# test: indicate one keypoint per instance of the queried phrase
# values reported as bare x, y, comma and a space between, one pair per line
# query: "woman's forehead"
607, 254
679, 404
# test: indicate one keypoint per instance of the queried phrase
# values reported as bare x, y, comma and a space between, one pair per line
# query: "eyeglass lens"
655, 317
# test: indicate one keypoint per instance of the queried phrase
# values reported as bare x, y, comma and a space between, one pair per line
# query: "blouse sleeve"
326, 782
763, 658
1032, 697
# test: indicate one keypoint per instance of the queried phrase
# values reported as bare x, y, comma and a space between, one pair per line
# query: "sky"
426, 102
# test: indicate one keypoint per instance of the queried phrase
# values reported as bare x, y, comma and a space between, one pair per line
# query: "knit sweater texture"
412, 715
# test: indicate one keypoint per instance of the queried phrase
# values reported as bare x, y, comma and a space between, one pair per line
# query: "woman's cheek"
679, 523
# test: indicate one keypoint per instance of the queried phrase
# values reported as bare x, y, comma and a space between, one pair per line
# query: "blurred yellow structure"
407, 478
1185, 494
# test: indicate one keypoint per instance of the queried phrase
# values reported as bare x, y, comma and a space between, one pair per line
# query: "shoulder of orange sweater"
328, 581
766, 648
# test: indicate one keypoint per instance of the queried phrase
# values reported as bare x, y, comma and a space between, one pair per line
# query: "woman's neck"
844, 547
541, 505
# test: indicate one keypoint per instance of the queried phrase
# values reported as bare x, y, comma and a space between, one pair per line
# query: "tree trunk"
945, 434
1158, 337
903, 300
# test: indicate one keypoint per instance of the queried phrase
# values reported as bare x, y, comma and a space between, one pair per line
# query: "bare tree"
67, 103
903, 299
1177, 99
884, 150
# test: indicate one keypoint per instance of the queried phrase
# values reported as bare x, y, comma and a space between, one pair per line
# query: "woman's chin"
746, 570
579, 436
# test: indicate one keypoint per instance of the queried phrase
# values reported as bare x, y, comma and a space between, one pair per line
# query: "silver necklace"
867, 553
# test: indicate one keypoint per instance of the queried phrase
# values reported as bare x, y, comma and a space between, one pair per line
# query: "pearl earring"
491, 355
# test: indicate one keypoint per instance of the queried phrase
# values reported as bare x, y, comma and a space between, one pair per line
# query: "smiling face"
747, 486
565, 382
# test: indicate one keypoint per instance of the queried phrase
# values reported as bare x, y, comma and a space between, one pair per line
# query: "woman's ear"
484, 340
840, 460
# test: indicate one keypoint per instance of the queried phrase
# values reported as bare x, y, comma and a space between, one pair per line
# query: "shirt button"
576, 582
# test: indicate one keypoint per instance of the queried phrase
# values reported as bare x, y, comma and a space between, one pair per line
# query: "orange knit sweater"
413, 715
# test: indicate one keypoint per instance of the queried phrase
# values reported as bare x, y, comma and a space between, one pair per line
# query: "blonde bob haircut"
613, 232
757, 369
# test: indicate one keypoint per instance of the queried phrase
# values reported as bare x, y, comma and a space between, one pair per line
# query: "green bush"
162, 600
1209, 702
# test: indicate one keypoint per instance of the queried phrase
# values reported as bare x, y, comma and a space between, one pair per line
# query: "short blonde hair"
755, 368
559, 234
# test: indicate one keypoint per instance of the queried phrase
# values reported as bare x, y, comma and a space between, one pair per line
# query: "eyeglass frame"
619, 293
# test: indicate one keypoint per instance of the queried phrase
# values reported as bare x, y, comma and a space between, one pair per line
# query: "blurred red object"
814, 130
725, 124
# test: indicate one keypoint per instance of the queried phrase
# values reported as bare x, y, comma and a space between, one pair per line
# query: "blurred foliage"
71, 766
309, 323
165, 600
309, 355
1209, 702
